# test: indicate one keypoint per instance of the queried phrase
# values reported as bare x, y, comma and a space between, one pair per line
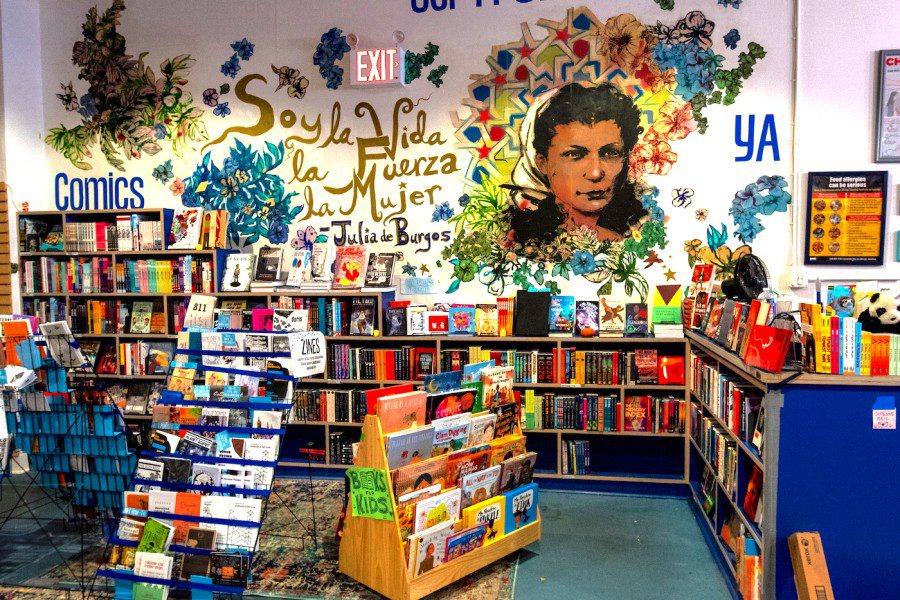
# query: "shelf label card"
884, 413
369, 494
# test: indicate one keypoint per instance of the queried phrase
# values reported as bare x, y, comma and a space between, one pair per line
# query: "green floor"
618, 546
594, 546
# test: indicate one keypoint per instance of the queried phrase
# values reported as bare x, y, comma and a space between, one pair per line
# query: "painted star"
562, 35
652, 259
424, 269
670, 275
409, 270
525, 51
499, 80
484, 151
484, 116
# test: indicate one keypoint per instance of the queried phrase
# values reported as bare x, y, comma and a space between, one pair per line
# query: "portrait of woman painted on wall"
573, 170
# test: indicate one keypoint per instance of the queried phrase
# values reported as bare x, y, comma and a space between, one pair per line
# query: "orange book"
185, 504
137, 501
14, 332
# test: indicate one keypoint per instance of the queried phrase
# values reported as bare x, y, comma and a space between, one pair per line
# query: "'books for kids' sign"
369, 495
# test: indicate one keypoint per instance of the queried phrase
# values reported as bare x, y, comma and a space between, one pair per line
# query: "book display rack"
372, 551
201, 490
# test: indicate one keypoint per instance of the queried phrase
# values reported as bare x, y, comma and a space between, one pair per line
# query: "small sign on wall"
884, 413
378, 66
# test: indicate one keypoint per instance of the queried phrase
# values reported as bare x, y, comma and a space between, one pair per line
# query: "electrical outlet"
800, 278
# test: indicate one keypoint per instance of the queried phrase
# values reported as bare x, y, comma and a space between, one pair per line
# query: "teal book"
521, 507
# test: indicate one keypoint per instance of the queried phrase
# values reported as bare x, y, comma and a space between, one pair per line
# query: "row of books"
180, 275
47, 275
340, 446
643, 365
331, 405
345, 361
115, 316
47, 310
719, 449
592, 412
126, 234
838, 345
576, 457
320, 268
738, 406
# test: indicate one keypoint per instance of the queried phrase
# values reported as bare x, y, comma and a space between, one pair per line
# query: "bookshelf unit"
822, 470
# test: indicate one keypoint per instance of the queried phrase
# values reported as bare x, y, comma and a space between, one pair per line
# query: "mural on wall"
555, 172
127, 110
563, 134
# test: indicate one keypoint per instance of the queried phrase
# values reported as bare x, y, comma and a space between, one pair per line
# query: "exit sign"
378, 66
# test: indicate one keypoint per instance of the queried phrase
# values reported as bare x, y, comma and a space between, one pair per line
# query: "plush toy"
879, 313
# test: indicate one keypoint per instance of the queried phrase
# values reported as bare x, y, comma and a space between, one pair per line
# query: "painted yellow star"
670, 275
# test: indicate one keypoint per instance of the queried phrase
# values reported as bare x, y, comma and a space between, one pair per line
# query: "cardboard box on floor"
810, 570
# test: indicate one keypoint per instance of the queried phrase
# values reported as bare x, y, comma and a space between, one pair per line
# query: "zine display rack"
79, 451
822, 469
200, 586
372, 552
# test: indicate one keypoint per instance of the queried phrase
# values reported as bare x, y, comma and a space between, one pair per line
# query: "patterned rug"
288, 564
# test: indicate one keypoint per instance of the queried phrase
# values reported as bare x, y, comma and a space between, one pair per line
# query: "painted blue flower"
159, 131
88, 107
189, 198
657, 214
331, 48
732, 3
278, 232
732, 38
442, 212
163, 172
464, 200
231, 67
710, 60
770, 182
243, 49
222, 110
583, 263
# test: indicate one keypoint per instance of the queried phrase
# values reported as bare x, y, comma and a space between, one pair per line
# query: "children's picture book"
562, 315
362, 315
587, 317
488, 513
426, 549
636, 319
238, 272
464, 542
517, 471
507, 417
409, 446
401, 411
840, 300
443, 382
479, 486
349, 267
185, 231
450, 433
141, 314
498, 386
462, 319
417, 476
486, 319
521, 507
268, 266
466, 461
380, 269
506, 448
449, 403
483, 428
299, 270
472, 372
437, 509
406, 508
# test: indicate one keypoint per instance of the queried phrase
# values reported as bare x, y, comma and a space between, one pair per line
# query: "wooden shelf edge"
741, 443
448, 572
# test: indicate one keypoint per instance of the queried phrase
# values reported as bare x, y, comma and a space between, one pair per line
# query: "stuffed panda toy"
879, 313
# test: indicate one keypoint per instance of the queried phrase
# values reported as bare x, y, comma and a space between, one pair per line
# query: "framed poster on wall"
845, 218
887, 119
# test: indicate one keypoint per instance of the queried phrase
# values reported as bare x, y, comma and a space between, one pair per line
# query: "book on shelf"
532, 316
380, 270
299, 269
612, 317
349, 267
636, 319
238, 273
321, 262
562, 316
587, 317
187, 225
184, 274
268, 265
576, 457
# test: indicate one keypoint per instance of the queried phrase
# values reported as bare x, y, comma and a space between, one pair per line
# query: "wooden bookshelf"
371, 550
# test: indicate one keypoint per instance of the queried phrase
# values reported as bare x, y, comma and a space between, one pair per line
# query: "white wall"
23, 167
837, 93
